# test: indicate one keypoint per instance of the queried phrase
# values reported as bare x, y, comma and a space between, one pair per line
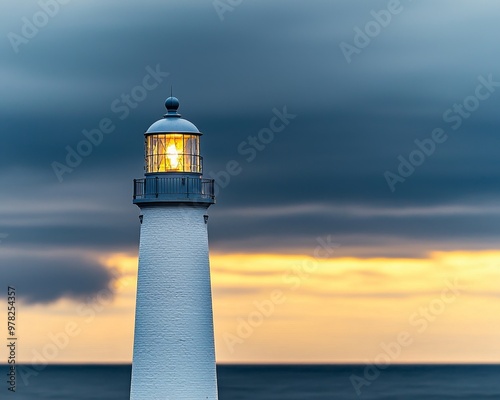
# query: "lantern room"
172, 144
173, 164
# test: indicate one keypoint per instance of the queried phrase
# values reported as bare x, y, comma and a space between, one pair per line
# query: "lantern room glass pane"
173, 152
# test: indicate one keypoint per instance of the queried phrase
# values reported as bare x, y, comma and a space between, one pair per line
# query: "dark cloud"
353, 121
47, 278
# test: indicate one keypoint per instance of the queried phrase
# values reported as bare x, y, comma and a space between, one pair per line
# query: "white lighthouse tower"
174, 355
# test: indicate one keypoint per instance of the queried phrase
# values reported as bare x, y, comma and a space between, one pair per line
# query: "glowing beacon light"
174, 355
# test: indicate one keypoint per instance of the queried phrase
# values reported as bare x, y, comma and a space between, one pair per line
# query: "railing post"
156, 186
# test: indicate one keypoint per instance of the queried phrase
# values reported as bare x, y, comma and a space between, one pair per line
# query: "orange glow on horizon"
318, 310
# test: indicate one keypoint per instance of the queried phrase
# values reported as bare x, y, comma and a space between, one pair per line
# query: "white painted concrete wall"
174, 355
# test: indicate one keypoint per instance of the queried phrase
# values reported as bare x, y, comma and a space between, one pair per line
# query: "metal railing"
174, 188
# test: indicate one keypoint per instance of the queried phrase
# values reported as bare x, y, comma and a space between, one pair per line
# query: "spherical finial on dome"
172, 104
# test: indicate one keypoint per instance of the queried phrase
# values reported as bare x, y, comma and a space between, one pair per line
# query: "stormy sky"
356, 116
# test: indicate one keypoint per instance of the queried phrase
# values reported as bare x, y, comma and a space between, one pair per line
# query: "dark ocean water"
411, 382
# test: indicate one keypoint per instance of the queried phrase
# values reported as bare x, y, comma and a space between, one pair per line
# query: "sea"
270, 382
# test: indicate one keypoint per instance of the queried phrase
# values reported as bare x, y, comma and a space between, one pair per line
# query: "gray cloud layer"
353, 121
48, 278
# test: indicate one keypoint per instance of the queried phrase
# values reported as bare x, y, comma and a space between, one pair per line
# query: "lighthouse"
174, 354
